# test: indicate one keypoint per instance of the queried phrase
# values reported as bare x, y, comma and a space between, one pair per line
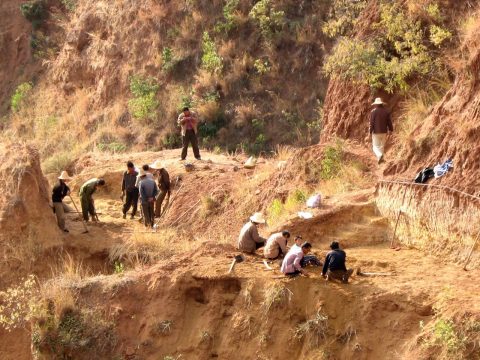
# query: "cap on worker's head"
157, 165
334, 245
186, 109
378, 101
257, 218
101, 182
64, 176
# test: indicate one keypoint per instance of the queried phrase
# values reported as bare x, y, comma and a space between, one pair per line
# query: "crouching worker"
148, 191
334, 267
276, 245
60, 190
292, 263
307, 259
249, 240
86, 197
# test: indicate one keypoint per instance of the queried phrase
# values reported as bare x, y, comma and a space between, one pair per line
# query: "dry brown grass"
149, 248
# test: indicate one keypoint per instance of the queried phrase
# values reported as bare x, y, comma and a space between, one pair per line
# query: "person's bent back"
249, 240
334, 267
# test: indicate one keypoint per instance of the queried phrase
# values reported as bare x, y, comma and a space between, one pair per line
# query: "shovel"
76, 209
236, 259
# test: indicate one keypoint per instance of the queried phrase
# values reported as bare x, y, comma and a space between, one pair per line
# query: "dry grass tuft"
149, 248
316, 329
275, 295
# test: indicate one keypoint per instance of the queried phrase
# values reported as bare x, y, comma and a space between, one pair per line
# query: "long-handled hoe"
76, 209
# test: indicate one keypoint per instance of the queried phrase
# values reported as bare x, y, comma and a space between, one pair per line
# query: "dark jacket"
60, 190
148, 189
163, 180
380, 121
129, 181
335, 260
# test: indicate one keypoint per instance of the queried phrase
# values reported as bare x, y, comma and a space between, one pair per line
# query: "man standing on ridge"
86, 197
163, 181
129, 190
60, 190
380, 126
188, 121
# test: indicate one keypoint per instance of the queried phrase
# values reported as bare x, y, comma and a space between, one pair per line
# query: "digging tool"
470, 253
81, 216
236, 259
269, 268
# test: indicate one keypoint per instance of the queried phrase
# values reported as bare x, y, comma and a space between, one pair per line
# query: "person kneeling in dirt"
249, 240
334, 267
60, 190
86, 197
129, 190
292, 263
307, 259
148, 190
276, 245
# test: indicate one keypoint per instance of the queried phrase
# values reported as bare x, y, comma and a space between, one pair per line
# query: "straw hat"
378, 101
157, 165
257, 218
64, 176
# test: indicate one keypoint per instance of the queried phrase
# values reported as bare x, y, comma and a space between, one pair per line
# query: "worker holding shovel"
86, 198
60, 190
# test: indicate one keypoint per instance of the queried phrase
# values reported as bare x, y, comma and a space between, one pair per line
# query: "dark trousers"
148, 214
190, 138
342, 275
159, 201
131, 200
87, 207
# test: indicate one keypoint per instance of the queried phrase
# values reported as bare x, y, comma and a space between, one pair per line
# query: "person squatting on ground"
307, 259
129, 190
188, 122
148, 191
60, 190
334, 267
163, 185
380, 126
86, 197
276, 245
292, 262
249, 240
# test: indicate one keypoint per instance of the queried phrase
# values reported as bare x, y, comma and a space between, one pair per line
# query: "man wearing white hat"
60, 190
249, 240
163, 181
380, 126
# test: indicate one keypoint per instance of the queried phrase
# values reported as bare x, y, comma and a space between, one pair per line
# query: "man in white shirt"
291, 264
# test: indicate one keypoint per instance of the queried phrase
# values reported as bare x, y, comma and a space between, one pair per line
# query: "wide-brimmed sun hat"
257, 218
157, 165
378, 101
64, 176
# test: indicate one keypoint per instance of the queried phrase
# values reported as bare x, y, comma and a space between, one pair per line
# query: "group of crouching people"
295, 258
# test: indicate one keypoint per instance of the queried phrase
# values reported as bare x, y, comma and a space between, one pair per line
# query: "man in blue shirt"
148, 191
334, 267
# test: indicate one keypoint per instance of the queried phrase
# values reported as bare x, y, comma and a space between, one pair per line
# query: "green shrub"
34, 11
172, 141
275, 210
229, 22
295, 199
144, 104
269, 20
168, 59
331, 163
20, 96
397, 52
211, 61
445, 334
343, 16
